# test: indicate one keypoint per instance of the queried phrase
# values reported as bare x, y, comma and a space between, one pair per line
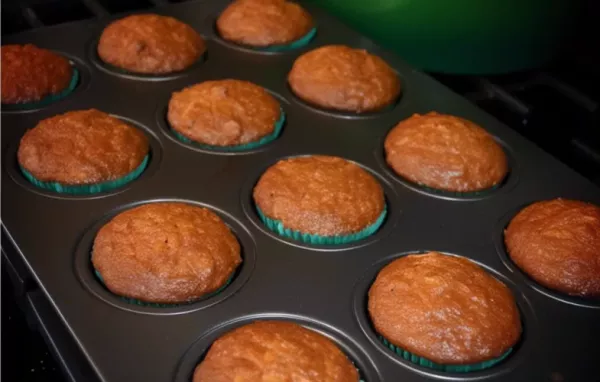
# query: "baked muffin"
265, 23
165, 253
557, 243
341, 78
445, 152
31, 74
445, 310
226, 114
150, 44
274, 351
82, 151
320, 200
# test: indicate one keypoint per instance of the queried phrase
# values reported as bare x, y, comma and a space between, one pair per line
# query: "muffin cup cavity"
147, 167
92, 280
510, 179
123, 73
422, 361
49, 99
135, 301
498, 239
279, 228
346, 114
512, 358
198, 350
86, 189
382, 227
237, 148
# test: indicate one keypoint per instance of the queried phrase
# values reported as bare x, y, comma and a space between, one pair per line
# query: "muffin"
150, 44
227, 114
341, 78
445, 153
557, 243
165, 253
267, 24
320, 200
444, 312
31, 74
274, 351
83, 151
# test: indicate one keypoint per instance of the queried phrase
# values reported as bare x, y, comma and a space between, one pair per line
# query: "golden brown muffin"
82, 147
150, 44
444, 308
320, 195
165, 253
274, 351
262, 23
445, 152
30, 73
341, 78
557, 243
223, 113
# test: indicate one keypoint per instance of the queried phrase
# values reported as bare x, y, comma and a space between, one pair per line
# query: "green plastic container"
462, 36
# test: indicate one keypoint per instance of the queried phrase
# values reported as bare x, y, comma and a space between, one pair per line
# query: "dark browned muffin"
224, 113
274, 351
557, 243
82, 148
150, 44
264, 23
322, 196
165, 253
341, 78
446, 153
30, 73
445, 309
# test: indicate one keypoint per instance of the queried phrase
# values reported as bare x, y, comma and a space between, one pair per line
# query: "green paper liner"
237, 148
457, 194
86, 189
278, 227
302, 41
47, 99
421, 361
135, 301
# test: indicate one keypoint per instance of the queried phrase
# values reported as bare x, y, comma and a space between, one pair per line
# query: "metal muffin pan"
319, 287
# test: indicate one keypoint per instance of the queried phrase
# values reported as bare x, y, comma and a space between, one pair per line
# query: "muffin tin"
323, 288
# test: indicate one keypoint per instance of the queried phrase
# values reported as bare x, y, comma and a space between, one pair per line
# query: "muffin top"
30, 73
444, 308
223, 113
165, 253
341, 78
557, 243
445, 152
82, 147
320, 195
274, 351
262, 23
150, 44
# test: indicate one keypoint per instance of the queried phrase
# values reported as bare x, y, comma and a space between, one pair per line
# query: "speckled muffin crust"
223, 113
444, 308
30, 73
165, 253
150, 44
82, 147
320, 195
445, 152
263, 23
557, 243
341, 78
274, 351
